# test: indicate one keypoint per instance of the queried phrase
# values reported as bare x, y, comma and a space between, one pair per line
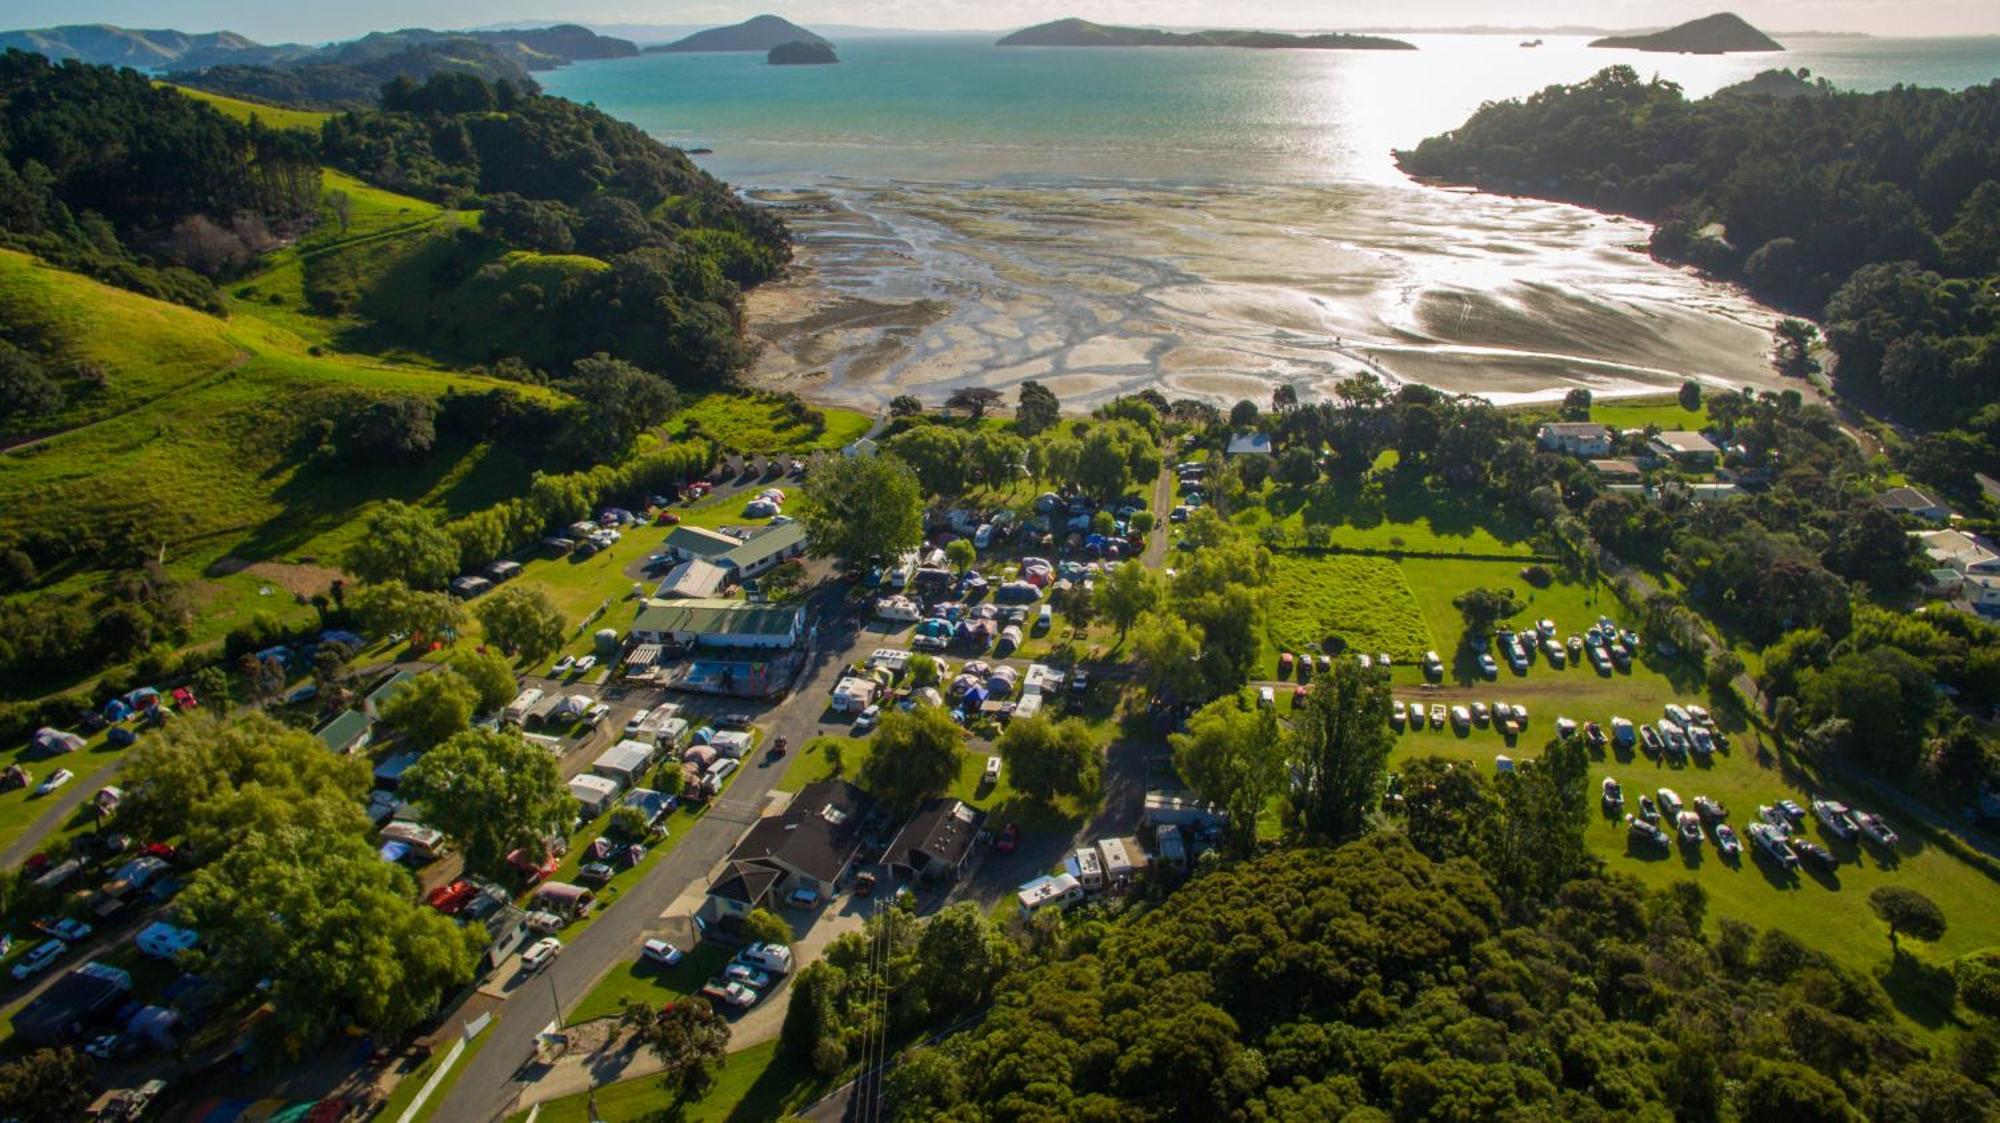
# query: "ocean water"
1204, 221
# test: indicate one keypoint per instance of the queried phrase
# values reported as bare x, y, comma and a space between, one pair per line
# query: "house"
809, 846
937, 843
594, 793
348, 732
1586, 439
718, 623
1250, 444
742, 557
1909, 501
1959, 551
860, 446
1685, 448
1615, 471
1982, 592
372, 703
694, 578
63, 1012
624, 762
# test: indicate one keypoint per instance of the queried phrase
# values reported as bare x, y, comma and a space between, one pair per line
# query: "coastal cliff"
1721, 33
1082, 33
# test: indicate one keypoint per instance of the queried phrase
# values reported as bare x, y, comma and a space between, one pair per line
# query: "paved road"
491, 1081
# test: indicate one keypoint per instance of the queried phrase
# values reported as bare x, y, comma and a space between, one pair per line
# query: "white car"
585, 662
540, 954
868, 718
661, 952
595, 715
38, 959
1266, 697
563, 665
638, 719
56, 780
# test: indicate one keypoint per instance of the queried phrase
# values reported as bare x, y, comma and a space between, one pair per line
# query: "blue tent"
117, 710
394, 851
704, 735
973, 697
143, 698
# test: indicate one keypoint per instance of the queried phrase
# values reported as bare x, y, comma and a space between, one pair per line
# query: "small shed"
624, 762
390, 772
853, 695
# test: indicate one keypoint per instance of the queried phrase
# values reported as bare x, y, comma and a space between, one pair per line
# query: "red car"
1010, 837
452, 899
668, 518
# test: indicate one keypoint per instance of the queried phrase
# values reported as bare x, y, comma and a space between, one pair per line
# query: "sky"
269, 22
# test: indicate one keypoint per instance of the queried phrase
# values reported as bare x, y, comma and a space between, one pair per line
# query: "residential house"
1615, 471
740, 556
860, 446
1685, 448
64, 1011
1959, 551
809, 846
1982, 592
1909, 501
718, 623
1250, 444
937, 843
1577, 438
349, 732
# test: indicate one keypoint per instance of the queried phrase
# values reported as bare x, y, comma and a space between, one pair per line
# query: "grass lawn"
754, 1086
407, 1088
1364, 601
272, 116
758, 423
644, 980
1637, 413
1393, 513
21, 808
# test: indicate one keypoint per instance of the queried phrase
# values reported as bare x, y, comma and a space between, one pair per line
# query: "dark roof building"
938, 840
810, 845
64, 1011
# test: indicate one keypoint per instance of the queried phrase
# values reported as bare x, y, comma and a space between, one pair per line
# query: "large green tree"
1037, 410
688, 1037
915, 756
47, 1086
212, 781
490, 675
1342, 738
1127, 593
1047, 758
1234, 757
619, 401
403, 543
1170, 649
858, 507
1907, 912
490, 793
522, 621
431, 707
391, 607
938, 454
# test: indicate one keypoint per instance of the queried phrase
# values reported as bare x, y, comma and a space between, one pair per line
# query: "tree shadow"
1926, 993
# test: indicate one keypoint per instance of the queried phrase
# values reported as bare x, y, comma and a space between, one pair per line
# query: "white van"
718, 774
775, 958
1045, 619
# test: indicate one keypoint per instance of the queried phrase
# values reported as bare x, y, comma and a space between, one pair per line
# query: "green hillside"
273, 116
212, 455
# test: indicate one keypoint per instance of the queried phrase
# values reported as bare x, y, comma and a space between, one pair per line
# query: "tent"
117, 710
1010, 638
143, 698
394, 851
930, 696
54, 742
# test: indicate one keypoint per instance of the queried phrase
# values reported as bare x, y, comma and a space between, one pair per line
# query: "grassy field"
1637, 413
272, 116
646, 981
754, 423
1362, 600
754, 1086
1389, 513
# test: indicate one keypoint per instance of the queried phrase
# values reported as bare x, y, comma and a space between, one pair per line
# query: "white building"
595, 793
1957, 550
718, 623
1577, 438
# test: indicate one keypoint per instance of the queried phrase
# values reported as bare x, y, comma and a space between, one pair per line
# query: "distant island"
1781, 84
520, 49
758, 33
1082, 33
1722, 33
801, 54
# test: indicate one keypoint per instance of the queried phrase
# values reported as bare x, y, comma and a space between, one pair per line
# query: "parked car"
563, 665
867, 720
638, 719
1010, 837
66, 929
543, 923
595, 873
1266, 697
1481, 714
1670, 802
747, 975
661, 952
1461, 718
113, 1047
1398, 713
595, 715
1487, 666
585, 662
56, 780
38, 958
730, 994
540, 954
1437, 715
1613, 794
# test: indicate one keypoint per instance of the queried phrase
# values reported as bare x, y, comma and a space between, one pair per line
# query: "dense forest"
1879, 213
105, 173
1390, 980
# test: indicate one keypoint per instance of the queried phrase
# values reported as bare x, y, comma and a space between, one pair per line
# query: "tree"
393, 608
1297, 466
1047, 758
961, 553
1127, 593
431, 708
619, 402
860, 507
939, 454
403, 543
915, 757
960, 956
1483, 608
905, 405
398, 429
490, 676
342, 207
784, 581
627, 824
1243, 415
47, 1086
689, 1038
1113, 455
1978, 976
1343, 741
1037, 410
521, 621
1233, 757
1576, 404
1972, 245
1170, 648
973, 401
762, 926
1907, 913
333, 930
1690, 395
1723, 667
812, 1030
1792, 342
490, 793
1283, 397
923, 671
1790, 1091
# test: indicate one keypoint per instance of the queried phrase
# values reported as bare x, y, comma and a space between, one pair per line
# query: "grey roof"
747, 882
717, 617
344, 731
1905, 499
1687, 441
1575, 429
942, 830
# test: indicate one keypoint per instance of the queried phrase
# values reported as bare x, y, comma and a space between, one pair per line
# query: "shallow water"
1207, 222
